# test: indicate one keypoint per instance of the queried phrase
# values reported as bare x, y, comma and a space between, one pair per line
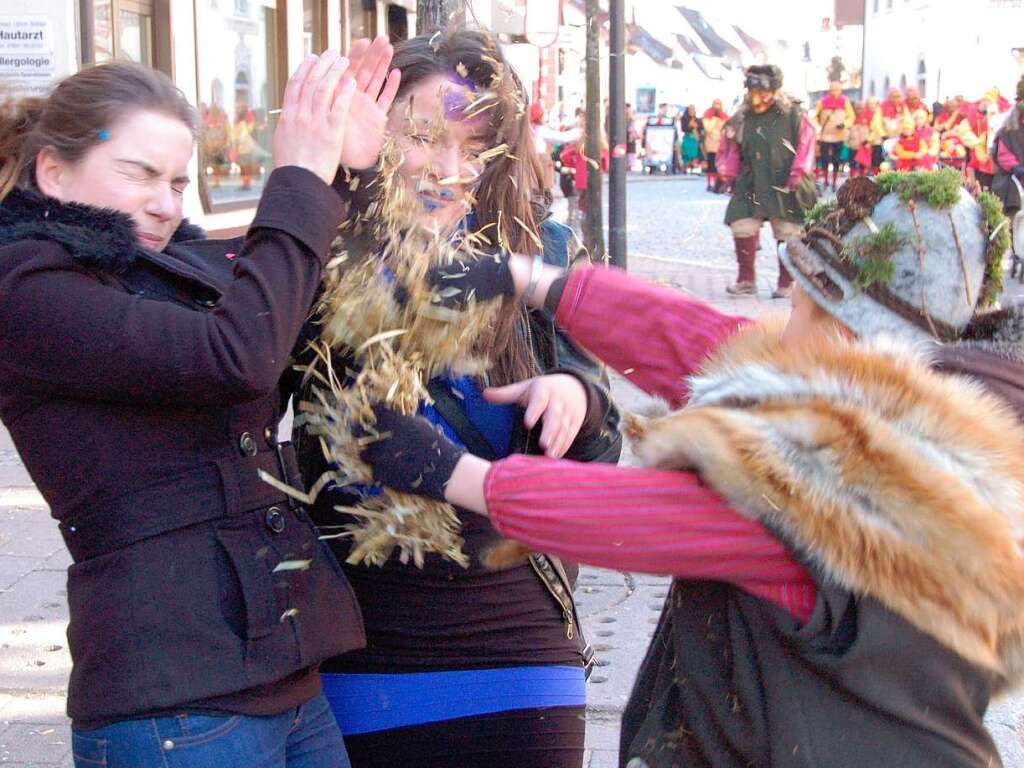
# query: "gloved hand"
485, 278
1018, 171
412, 455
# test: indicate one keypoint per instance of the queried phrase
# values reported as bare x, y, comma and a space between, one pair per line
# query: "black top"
141, 390
449, 617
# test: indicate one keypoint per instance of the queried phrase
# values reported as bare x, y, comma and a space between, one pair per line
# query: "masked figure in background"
929, 140
916, 107
835, 115
975, 136
768, 149
714, 121
893, 112
910, 149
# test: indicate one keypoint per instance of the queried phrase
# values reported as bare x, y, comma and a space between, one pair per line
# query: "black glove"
1018, 171
485, 278
412, 455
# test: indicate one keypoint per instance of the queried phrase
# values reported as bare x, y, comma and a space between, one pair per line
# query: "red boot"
785, 287
746, 253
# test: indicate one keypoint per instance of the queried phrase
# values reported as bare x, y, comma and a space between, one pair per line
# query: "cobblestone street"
676, 237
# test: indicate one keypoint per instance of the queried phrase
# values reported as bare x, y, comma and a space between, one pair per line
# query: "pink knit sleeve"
642, 520
1005, 157
728, 159
803, 163
654, 336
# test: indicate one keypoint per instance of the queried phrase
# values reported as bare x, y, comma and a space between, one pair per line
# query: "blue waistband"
366, 703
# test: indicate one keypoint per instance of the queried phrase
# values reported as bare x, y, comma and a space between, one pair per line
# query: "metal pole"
617, 123
593, 223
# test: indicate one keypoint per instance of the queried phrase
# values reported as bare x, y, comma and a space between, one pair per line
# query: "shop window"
361, 19
122, 30
314, 27
240, 57
398, 23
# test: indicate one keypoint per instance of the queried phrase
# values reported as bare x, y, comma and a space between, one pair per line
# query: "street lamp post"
593, 222
617, 125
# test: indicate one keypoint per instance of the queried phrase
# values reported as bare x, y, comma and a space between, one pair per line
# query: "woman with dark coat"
139, 381
505, 643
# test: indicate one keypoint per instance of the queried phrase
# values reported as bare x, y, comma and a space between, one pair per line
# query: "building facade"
231, 58
943, 48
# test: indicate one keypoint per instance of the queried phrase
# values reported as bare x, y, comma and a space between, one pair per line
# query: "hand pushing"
411, 455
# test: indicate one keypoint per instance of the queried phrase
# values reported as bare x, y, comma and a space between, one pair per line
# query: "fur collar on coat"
95, 237
884, 476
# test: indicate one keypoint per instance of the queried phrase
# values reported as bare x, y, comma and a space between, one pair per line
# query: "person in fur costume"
837, 497
768, 151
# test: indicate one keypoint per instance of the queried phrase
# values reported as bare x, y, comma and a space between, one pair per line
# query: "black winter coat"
141, 390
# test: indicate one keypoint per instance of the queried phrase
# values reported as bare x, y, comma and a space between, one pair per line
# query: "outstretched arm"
655, 521
654, 336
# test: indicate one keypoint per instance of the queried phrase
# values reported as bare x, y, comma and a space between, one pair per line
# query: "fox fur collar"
886, 478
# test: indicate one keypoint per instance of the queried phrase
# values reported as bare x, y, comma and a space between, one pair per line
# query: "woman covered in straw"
843, 521
464, 665
139, 374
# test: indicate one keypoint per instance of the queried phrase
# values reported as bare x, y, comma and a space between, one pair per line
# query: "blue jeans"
306, 737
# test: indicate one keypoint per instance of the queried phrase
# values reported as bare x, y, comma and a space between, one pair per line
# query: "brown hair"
511, 186
72, 119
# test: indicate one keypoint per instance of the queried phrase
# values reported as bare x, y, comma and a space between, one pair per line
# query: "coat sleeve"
653, 336
646, 520
65, 333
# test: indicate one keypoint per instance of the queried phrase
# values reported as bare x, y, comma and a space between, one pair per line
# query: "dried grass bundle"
380, 307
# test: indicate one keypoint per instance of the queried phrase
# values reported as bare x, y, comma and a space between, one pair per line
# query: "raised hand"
558, 399
375, 90
314, 116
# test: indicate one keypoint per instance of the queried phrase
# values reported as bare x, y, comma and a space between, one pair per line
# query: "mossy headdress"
913, 254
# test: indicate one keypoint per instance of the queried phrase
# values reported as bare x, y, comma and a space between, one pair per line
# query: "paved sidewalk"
619, 610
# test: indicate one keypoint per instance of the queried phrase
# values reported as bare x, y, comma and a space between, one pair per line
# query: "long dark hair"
73, 118
511, 184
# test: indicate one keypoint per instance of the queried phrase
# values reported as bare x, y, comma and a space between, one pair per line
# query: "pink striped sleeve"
645, 520
652, 335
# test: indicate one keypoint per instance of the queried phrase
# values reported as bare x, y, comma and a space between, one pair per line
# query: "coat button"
274, 520
247, 443
168, 745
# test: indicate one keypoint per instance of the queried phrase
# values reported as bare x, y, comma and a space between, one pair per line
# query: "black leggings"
550, 737
831, 151
712, 168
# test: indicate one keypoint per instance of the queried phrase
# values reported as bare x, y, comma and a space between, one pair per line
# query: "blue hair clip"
104, 134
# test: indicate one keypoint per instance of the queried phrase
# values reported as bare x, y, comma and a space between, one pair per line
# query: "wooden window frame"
158, 10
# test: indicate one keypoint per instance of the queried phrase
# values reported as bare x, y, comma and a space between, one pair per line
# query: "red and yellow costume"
834, 115
930, 140
910, 149
917, 107
974, 133
894, 112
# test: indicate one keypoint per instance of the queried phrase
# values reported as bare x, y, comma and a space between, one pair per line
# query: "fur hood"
885, 477
95, 237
